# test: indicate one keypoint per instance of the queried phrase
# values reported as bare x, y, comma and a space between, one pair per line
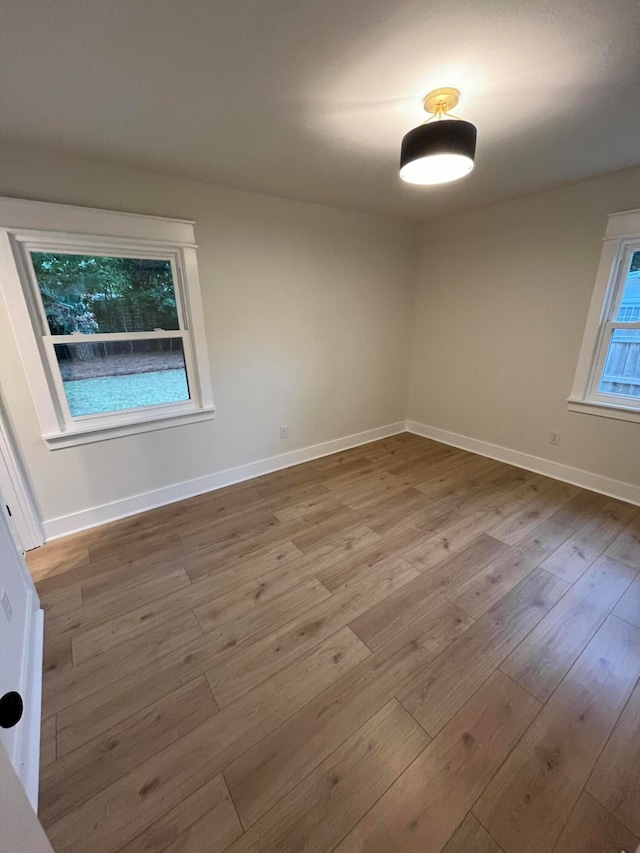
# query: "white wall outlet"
554, 438
6, 604
284, 432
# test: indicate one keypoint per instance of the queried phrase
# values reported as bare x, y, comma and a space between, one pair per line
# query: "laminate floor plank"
394, 514
210, 560
131, 589
327, 530
421, 462
95, 629
440, 483
57, 656
260, 667
264, 774
265, 616
628, 608
105, 759
204, 821
615, 781
332, 465
437, 693
626, 546
47, 743
137, 545
528, 802
62, 580
180, 656
245, 602
592, 829
305, 508
72, 684
344, 566
471, 837
439, 470
478, 492
574, 557
57, 557
350, 474
498, 494
512, 529
107, 820
336, 794
580, 509
543, 658
242, 671
396, 612
423, 808
197, 534
63, 601
496, 579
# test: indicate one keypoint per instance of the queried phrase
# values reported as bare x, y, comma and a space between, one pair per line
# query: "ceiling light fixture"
443, 148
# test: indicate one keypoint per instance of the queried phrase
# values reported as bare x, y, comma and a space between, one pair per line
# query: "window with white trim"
109, 327
608, 375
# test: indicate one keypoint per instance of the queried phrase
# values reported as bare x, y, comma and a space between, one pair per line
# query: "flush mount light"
443, 148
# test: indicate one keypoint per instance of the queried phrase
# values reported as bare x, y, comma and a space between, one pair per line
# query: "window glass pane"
90, 294
621, 374
106, 377
629, 311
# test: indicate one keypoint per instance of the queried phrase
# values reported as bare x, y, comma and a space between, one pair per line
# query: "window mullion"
621, 325
102, 337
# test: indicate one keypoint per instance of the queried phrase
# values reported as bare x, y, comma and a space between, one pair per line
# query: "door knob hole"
11, 708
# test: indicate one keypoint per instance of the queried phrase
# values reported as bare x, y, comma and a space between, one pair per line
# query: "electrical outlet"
554, 438
6, 605
284, 432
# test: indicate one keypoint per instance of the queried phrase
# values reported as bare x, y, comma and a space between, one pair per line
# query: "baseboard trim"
576, 476
64, 525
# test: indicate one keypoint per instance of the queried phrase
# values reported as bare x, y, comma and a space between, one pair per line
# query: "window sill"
604, 410
89, 435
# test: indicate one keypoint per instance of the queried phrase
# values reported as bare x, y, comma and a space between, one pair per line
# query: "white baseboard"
104, 513
576, 476
64, 525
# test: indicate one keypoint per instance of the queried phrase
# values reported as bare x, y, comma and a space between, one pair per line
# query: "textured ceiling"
309, 99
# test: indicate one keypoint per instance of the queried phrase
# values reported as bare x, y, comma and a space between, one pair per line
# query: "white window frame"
27, 226
622, 239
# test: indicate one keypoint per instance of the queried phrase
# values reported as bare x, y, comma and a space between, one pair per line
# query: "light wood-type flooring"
402, 647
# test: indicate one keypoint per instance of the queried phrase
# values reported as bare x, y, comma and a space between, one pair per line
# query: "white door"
20, 830
20, 662
17, 498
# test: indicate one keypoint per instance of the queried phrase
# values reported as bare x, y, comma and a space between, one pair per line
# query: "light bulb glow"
436, 169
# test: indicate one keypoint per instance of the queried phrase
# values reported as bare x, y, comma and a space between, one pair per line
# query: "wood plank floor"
402, 647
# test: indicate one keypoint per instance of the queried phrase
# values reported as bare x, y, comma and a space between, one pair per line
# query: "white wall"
307, 311
501, 303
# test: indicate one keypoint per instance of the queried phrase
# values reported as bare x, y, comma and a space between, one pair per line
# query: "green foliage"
83, 293
635, 262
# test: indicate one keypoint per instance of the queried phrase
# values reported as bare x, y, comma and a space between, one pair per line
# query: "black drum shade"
438, 151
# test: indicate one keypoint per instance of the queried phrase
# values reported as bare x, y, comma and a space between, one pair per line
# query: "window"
608, 375
110, 328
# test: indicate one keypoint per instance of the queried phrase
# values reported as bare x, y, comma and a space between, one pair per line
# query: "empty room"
319, 426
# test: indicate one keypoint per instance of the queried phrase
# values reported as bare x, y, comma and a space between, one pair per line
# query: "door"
17, 501
20, 830
20, 662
